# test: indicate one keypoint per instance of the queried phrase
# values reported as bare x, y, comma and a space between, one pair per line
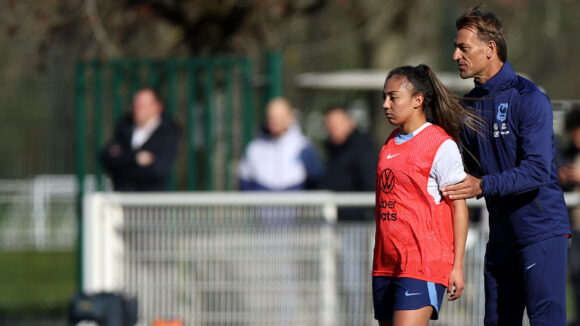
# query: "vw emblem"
387, 180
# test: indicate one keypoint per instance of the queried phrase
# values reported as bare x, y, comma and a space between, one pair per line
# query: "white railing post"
328, 264
39, 213
91, 236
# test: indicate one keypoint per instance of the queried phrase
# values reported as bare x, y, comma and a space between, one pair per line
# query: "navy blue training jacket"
516, 156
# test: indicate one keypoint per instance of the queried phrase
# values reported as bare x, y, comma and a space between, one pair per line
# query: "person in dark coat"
569, 178
351, 160
512, 165
351, 166
144, 146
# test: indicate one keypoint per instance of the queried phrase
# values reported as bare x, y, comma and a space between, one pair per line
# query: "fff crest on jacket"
502, 111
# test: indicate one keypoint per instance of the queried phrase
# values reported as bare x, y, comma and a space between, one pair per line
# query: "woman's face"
399, 103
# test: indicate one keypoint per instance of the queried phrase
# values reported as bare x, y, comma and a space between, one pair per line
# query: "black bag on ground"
107, 309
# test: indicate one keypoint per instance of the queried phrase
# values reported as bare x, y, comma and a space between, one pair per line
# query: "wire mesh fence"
247, 259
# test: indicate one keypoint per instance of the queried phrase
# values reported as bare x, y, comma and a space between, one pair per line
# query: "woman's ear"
418, 100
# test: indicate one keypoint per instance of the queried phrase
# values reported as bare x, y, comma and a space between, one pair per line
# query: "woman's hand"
456, 284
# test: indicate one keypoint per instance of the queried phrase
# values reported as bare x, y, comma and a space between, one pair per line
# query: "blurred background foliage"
42, 40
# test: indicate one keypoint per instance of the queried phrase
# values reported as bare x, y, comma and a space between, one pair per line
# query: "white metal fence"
38, 214
247, 258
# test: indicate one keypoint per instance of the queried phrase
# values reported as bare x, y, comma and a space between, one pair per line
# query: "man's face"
470, 54
145, 107
339, 126
575, 135
278, 118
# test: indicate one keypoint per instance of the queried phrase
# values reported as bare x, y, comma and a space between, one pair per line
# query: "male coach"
513, 168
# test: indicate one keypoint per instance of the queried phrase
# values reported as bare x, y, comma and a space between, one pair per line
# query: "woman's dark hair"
441, 107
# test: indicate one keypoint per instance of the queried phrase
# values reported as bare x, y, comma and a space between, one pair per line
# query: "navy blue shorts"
402, 293
531, 277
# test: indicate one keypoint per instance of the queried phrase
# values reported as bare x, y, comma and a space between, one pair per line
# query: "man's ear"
491, 49
160, 108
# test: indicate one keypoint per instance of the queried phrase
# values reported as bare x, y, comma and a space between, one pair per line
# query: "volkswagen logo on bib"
387, 181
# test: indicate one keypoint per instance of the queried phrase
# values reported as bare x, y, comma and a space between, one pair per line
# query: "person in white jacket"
281, 158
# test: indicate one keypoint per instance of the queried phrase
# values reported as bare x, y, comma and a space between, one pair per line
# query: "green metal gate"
211, 99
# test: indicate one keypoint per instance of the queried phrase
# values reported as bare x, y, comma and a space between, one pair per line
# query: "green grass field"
36, 287
36, 284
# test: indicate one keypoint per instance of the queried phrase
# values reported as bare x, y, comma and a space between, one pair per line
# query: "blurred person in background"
351, 157
569, 176
351, 160
281, 157
144, 146
513, 168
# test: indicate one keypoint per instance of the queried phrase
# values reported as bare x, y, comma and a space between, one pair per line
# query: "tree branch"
99, 31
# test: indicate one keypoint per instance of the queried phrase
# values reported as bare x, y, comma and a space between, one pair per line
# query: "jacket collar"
292, 132
502, 80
